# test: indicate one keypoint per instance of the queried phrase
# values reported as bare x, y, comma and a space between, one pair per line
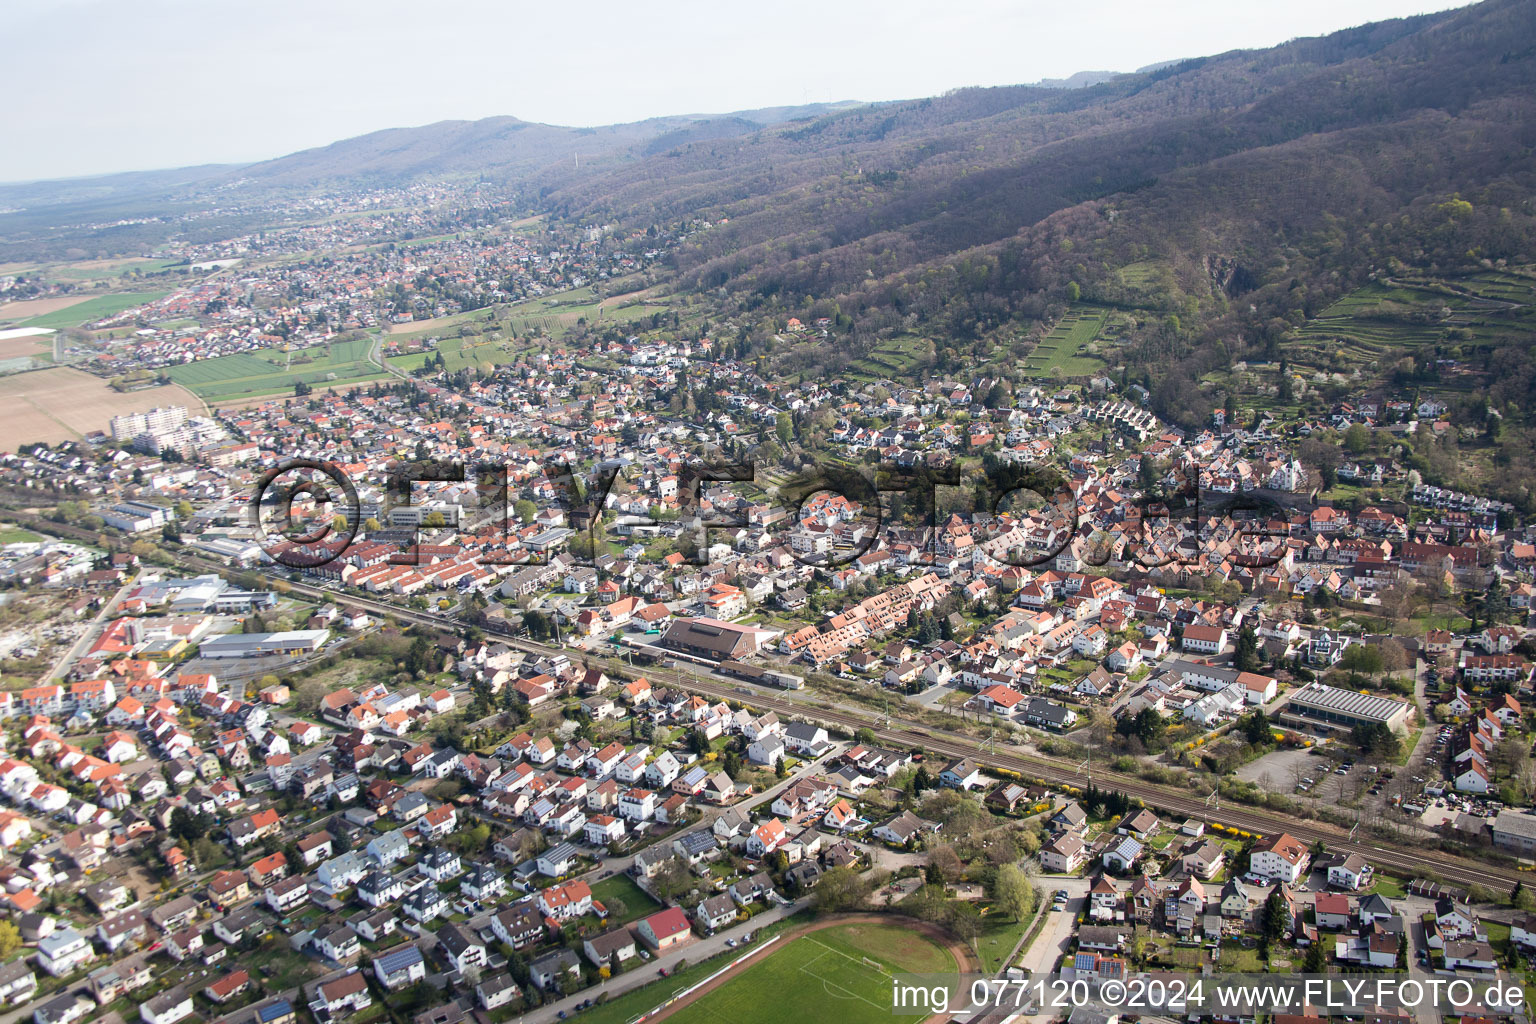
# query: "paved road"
1055, 938
89, 634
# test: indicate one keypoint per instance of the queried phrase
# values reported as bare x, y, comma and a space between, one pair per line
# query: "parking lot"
1279, 770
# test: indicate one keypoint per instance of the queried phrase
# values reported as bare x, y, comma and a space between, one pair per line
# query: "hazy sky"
112, 85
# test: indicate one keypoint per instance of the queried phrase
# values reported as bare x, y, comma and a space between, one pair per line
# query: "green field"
93, 309
115, 269
459, 353
1147, 274
1388, 319
892, 357
841, 973
273, 371
11, 535
548, 316
620, 891
1060, 352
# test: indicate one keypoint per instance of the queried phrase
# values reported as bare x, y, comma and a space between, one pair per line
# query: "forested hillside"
1260, 185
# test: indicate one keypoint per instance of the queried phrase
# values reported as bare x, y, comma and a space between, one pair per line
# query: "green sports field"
273, 371
841, 973
93, 309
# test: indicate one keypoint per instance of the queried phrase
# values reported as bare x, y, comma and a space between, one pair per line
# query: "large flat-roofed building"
1345, 709
417, 515
715, 639
135, 516
1515, 831
292, 642
130, 425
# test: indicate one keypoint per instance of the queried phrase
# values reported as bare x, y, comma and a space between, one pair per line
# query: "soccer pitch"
842, 973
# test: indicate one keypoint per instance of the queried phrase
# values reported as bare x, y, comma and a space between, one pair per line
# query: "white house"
1280, 857
766, 750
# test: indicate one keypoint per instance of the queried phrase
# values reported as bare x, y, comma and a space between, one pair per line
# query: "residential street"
90, 633
643, 972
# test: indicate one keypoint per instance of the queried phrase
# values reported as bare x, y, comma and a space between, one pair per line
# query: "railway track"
1050, 771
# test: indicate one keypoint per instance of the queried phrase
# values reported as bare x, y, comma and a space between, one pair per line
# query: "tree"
1274, 919
472, 841
1316, 960
1376, 739
1146, 725
784, 427
778, 767
840, 888
1247, 657
1357, 439
921, 781
525, 510
1255, 727
671, 879
10, 939
1363, 658
1012, 893
434, 520
945, 863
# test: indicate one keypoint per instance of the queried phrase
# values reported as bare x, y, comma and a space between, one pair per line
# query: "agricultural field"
1060, 352
106, 270
550, 316
461, 353
274, 371
26, 347
841, 973
27, 309
92, 309
62, 404
1146, 274
550, 313
438, 325
893, 357
1389, 319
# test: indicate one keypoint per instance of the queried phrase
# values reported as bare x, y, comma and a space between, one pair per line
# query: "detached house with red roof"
665, 929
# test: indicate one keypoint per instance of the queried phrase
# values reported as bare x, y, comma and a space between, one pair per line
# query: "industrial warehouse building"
1515, 831
716, 640
292, 643
1317, 703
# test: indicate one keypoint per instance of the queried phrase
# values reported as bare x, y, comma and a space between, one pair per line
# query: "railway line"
1054, 772
1051, 771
